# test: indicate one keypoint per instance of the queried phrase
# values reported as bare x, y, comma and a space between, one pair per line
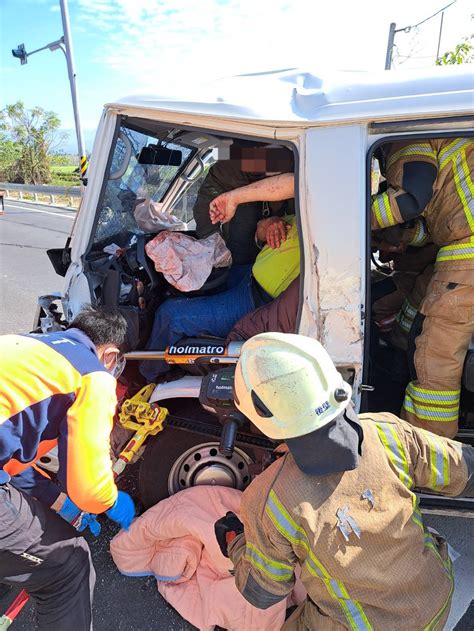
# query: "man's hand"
227, 528
276, 233
273, 231
222, 208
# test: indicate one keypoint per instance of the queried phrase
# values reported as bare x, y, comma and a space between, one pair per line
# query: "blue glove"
123, 511
79, 519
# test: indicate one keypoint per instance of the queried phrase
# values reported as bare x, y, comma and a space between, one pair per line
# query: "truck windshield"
142, 167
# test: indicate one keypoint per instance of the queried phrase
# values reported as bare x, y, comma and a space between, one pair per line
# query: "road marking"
72, 215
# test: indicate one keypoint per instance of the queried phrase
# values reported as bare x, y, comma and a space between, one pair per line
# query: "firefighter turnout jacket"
433, 178
367, 560
55, 391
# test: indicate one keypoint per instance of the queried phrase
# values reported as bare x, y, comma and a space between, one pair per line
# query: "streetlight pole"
72, 82
64, 44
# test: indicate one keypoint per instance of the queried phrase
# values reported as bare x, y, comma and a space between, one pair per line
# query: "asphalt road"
122, 604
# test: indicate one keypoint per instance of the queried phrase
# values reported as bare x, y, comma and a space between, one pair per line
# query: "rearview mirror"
153, 154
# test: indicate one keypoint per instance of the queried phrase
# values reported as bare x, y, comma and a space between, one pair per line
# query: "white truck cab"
332, 126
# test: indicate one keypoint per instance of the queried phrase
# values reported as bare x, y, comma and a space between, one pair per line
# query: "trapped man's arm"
270, 189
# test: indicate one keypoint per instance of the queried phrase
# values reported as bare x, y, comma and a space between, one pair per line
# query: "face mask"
119, 367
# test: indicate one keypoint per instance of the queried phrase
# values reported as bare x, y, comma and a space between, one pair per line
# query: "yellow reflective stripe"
421, 234
429, 413
457, 252
294, 533
439, 397
273, 569
439, 461
416, 517
383, 212
464, 187
432, 626
450, 151
394, 448
422, 149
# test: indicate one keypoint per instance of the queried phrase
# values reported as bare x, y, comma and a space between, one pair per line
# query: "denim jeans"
194, 317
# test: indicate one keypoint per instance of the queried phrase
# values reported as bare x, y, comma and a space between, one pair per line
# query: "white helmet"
287, 385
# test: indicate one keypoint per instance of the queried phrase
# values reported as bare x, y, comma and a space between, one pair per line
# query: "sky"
169, 47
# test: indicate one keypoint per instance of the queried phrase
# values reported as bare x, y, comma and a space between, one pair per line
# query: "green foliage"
63, 160
65, 176
26, 138
463, 53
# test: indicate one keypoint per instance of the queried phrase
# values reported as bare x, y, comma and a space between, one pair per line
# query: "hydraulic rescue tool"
145, 418
193, 351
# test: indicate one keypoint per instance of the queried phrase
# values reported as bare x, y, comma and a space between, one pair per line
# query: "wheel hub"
204, 465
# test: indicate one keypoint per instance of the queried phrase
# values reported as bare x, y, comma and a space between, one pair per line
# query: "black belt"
260, 296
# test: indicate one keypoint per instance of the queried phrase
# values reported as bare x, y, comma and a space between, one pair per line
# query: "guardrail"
70, 192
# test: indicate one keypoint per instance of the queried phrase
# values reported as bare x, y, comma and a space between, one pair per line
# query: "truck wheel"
175, 460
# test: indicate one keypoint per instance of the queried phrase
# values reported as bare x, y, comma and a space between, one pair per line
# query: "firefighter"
340, 502
434, 178
58, 389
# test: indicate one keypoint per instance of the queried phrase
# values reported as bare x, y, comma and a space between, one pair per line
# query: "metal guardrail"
52, 191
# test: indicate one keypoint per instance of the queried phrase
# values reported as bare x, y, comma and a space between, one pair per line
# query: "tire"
159, 470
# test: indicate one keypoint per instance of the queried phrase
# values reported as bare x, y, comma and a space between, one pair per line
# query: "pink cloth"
175, 542
186, 262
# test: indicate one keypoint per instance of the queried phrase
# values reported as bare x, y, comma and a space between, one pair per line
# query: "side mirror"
153, 154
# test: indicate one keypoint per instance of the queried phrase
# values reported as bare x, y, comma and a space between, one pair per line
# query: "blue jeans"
194, 317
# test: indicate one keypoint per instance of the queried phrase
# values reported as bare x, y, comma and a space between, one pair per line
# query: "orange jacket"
54, 392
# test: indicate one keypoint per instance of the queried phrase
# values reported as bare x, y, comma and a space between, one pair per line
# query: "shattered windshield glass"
141, 168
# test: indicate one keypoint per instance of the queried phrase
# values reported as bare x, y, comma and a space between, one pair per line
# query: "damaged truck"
158, 152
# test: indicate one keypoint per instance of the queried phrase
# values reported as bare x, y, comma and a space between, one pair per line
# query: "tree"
463, 53
26, 138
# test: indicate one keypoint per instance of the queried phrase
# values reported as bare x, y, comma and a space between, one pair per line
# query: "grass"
64, 176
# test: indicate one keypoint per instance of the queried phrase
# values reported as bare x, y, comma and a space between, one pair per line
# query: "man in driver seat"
275, 268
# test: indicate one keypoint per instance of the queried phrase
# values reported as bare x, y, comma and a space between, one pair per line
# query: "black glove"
227, 528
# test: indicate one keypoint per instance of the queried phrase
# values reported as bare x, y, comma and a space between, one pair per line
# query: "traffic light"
20, 53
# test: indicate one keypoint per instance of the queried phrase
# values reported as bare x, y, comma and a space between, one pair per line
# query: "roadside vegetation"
30, 148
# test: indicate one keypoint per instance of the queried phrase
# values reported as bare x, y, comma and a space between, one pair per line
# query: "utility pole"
391, 40
439, 37
64, 44
406, 29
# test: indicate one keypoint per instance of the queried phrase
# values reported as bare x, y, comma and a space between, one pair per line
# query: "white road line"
72, 215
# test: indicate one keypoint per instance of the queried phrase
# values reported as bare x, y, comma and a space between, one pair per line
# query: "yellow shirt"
275, 270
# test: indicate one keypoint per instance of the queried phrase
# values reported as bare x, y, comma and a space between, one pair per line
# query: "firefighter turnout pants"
43, 554
432, 400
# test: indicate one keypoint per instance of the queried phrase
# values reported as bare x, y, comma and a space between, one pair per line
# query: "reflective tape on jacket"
421, 149
447, 154
382, 211
431, 413
439, 461
396, 453
295, 534
421, 234
458, 252
455, 154
439, 397
273, 569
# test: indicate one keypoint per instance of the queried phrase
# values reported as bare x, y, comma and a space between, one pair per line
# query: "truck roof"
296, 97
